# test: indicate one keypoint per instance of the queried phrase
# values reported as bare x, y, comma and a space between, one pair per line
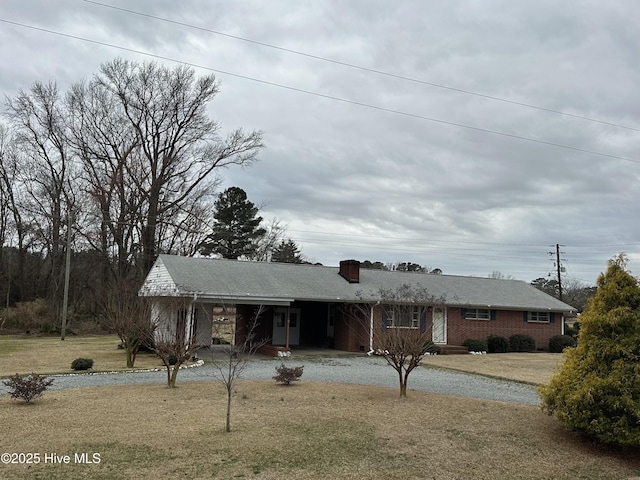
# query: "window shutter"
423, 321
552, 317
526, 316
492, 314
385, 318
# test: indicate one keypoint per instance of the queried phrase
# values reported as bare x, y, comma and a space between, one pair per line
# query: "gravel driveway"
353, 369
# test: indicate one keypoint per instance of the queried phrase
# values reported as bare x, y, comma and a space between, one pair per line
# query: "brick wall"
351, 327
351, 330
352, 334
507, 323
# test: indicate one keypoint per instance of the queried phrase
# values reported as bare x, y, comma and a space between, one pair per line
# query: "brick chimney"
350, 270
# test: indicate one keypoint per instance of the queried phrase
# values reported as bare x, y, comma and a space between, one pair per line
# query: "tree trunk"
228, 423
174, 376
131, 356
149, 231
403, 386
403, 383
166, 362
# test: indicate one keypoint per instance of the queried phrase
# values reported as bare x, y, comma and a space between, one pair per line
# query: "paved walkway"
356, 369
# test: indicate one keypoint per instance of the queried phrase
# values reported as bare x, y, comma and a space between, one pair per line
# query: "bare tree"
577, 293
275, 232
128, 316
107, 147
185, 226
230, 366
180, 147
174, 352
136, 147
402, 338
38, 119
13, 229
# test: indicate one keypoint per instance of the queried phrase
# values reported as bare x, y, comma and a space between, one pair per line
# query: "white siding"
204, 327
164, 313
158, 282
164, 317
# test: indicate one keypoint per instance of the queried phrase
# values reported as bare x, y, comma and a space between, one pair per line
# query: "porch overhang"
247, 300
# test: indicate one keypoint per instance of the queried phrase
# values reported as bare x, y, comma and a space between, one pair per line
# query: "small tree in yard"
597, 389
404, 339
128, 316
27, 388
230, 366
174, 352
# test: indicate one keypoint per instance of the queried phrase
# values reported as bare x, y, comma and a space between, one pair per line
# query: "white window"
403, 317
538, 317
476, 314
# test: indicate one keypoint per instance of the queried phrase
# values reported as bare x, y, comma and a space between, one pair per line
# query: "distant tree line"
399, 267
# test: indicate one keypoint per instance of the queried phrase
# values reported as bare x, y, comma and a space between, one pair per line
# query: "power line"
360, 67
329, 97
474, 242
425, 248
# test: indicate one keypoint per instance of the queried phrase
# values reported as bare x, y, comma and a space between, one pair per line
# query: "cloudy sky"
472, 136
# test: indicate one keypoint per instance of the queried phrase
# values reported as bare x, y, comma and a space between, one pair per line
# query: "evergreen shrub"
475, 345
558, 343
497, 344
82, 364
521, 343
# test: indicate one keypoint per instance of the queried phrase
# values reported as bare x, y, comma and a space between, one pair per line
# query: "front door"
280, 326
439, 329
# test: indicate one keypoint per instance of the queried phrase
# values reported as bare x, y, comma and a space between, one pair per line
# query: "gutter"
371, 330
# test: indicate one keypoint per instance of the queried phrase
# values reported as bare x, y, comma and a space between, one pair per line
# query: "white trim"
371, 330
477, 310
529, 312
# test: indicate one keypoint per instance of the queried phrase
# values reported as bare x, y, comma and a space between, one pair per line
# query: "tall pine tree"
236, 228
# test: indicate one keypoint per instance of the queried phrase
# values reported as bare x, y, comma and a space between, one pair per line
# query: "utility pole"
559, 269
65, 301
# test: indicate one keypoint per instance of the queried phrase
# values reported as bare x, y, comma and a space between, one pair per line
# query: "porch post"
371, 330
287, 341
188, 324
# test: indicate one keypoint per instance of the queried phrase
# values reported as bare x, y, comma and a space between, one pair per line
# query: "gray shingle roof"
281, 282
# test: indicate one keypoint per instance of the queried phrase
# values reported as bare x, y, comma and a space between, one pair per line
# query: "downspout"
193, 312
371, 330
287, 339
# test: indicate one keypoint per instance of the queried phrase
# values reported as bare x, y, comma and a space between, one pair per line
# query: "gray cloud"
392, 187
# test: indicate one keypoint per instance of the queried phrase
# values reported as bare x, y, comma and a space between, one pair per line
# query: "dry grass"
306, 431
43, 354
534, 368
